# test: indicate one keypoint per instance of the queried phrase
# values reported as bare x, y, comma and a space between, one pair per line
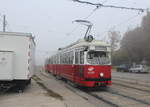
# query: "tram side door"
79, 61
76, 67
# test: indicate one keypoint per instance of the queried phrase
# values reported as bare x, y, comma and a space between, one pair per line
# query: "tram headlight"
101, 74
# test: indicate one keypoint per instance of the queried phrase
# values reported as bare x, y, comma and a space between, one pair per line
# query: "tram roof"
82, 42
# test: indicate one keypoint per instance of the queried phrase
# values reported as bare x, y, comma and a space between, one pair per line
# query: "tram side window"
66, 58
72, 57
69, 58
81, 57
52, 61
76, 58
61, 59
56, 59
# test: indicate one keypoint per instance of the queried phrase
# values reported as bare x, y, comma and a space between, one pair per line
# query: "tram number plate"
99, 83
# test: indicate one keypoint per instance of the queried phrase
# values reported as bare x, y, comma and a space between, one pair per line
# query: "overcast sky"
50, 21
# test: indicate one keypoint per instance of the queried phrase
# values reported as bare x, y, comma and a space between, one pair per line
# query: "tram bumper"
94, 82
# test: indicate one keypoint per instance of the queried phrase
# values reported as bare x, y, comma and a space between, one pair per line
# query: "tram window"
72, 57
52, 61
65, 59
76, 58
57, 60
98, 57
93, 54
61, 59
81, 57
69, 58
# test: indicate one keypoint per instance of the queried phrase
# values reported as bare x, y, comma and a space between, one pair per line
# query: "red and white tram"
84, 63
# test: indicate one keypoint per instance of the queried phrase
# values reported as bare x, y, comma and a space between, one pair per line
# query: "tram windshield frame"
95, 57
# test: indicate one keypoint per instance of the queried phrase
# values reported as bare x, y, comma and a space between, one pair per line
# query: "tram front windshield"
98, 57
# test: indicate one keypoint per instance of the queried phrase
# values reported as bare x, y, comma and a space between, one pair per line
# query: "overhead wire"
119, 24
98, 5
110, 6
74, 29
90, 14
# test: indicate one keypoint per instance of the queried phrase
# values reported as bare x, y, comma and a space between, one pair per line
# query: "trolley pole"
4, 23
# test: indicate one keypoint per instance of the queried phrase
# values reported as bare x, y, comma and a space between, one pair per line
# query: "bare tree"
114, 39
136, 42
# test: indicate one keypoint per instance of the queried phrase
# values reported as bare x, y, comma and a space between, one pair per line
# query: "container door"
6, 65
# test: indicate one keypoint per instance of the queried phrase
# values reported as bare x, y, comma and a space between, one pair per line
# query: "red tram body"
83, 63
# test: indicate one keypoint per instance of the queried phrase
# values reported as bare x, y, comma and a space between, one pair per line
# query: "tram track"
84, 94
132, 81
113, 93
102, 96
136, 87
120, 96
129, 97
105, 99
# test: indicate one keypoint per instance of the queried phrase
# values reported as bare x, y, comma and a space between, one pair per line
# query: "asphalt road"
133, 76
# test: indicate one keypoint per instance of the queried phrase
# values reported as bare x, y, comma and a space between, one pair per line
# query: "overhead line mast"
4, 23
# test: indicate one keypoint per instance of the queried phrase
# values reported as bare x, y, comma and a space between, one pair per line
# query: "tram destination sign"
104, 48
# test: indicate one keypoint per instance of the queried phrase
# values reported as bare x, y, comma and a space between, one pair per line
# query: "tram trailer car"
83, 63
16, 59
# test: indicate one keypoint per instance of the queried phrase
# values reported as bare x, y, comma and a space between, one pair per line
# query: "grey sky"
51, 20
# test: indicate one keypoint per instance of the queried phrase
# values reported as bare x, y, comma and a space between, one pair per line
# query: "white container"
6, 65
16, 56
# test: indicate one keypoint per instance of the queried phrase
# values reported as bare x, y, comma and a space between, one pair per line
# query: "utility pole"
4, 23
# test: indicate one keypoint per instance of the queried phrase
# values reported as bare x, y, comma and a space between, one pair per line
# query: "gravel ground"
71, 99
49, 92
33, 96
